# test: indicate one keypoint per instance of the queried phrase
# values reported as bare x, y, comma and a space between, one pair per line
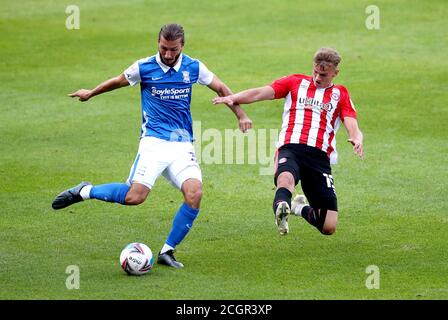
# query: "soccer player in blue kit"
165, 147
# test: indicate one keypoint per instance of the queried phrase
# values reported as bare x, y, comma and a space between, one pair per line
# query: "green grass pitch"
393, 205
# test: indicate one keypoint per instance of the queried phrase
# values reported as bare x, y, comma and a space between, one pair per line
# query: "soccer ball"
136, 259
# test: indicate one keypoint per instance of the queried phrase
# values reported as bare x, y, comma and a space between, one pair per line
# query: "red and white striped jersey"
312, 116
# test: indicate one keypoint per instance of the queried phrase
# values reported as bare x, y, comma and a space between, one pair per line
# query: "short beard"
172, 64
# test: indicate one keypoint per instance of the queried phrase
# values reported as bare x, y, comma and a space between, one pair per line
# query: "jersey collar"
164, 67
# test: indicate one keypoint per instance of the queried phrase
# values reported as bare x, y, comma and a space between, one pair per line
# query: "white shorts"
176, 161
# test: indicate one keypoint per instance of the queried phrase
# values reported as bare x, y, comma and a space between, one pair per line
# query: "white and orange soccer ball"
136, 259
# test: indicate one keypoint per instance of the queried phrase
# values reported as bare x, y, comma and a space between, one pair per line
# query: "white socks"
166, 248
85, 192
298, 209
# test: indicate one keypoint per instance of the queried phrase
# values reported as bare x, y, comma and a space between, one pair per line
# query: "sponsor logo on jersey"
310, 103
171, 93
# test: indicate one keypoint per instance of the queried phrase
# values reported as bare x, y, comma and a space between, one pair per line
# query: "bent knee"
192, 190
136, 195
328, 231
331, 221
134, 199
193, 196
286, 180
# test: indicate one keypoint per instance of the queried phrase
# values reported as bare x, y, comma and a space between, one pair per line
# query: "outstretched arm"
222, 90
355, 136
247, 96
108, 85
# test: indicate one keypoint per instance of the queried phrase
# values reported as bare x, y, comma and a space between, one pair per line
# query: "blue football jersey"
166, 95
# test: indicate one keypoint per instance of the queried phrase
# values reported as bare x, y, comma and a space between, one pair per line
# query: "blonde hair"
326, 56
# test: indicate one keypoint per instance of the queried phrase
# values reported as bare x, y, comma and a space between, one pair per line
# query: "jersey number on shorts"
330, 181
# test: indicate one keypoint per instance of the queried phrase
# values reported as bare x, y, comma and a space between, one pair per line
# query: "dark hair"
325, 56
172, 32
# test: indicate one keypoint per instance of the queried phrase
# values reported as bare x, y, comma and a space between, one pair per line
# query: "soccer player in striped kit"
313, 110
166, 148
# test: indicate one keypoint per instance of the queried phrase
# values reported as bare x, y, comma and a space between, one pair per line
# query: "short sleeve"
132, 74
281, 87
347, 107
205, 75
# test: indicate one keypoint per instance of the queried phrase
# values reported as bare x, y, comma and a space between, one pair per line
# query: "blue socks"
183, 220
182, 223
111, 192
